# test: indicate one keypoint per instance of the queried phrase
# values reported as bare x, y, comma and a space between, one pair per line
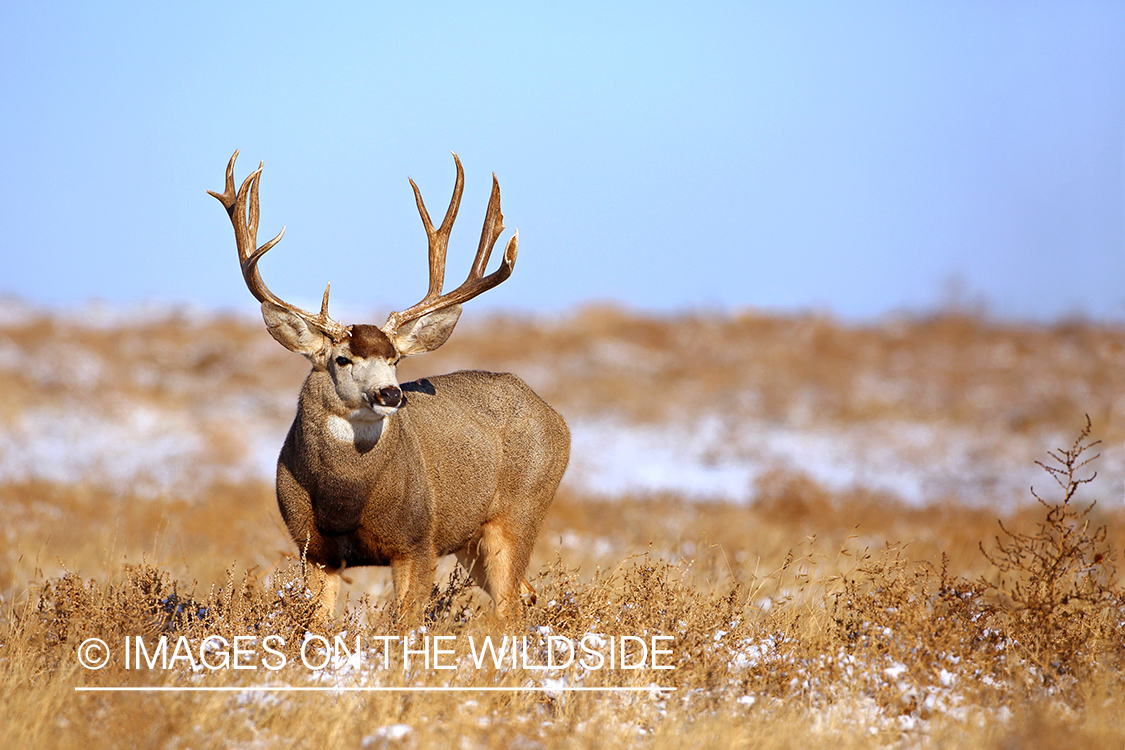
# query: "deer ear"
292, 332
427, 332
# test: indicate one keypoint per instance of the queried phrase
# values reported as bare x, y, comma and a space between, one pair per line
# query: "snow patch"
721, 459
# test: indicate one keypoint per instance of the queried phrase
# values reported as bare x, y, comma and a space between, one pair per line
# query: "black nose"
389, 396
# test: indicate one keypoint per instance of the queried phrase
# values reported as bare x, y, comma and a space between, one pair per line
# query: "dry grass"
809, 618
827, 643
949, 368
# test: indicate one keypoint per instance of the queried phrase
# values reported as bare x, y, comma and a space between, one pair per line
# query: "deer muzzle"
389, 396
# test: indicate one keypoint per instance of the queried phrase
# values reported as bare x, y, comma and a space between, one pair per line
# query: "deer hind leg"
496, 559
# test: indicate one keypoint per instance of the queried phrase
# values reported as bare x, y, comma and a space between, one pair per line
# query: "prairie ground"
826, 531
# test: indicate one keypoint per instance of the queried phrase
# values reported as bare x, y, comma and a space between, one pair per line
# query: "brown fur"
468, 466
370, 341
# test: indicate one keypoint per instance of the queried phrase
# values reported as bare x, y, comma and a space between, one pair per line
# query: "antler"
245, 236
438, 239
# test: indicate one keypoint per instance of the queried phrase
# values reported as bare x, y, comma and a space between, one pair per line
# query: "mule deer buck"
374, 472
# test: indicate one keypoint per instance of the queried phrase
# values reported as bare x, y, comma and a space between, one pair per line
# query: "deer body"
468, 464
377, 473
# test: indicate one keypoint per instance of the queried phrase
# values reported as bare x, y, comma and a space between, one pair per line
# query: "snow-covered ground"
150, 451
205, 430
714, 458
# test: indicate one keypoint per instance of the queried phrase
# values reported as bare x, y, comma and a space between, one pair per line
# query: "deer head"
362, 359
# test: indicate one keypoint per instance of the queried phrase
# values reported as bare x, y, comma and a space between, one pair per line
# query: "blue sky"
857, 158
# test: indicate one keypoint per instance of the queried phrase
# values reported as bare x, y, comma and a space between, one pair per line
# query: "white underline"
375, 689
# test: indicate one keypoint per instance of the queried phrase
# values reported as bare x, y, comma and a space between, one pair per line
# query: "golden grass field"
831, 524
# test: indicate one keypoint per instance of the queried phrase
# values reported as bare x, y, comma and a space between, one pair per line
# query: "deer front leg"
324, 583
413, 577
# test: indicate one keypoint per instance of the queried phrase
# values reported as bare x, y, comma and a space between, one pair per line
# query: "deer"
378, 472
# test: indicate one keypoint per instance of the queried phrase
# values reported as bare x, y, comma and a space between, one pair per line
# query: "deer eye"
343, 361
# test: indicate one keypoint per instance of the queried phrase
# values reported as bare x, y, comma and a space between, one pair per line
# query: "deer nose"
390, 396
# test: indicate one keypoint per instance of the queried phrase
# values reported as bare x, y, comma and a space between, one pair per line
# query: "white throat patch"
365, 430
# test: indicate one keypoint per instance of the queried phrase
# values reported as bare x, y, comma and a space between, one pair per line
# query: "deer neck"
355, 428
326, 414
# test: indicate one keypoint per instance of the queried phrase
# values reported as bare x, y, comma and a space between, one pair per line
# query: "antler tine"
477, 282
490, 232
245, 221
438, 239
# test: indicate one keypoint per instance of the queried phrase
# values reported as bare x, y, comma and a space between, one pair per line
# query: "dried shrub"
1056, 586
